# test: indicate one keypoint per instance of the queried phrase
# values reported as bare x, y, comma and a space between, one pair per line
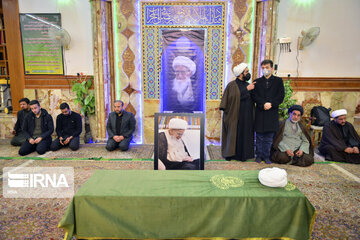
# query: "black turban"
296, 107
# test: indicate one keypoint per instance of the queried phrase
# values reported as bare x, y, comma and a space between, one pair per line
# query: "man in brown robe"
340, 142
292, 143
238, 121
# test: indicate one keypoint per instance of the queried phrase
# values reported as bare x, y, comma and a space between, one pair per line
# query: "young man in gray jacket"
120, 127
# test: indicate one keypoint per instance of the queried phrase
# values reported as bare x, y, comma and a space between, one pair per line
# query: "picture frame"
192, 138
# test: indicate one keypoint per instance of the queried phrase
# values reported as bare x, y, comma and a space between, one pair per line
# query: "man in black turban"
292, 144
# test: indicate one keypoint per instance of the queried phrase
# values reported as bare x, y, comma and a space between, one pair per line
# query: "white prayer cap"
273, 177
176, 123
338, 113
184, 61
239, 69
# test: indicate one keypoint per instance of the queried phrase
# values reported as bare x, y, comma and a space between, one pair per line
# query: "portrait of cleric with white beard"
184, 68
182, 94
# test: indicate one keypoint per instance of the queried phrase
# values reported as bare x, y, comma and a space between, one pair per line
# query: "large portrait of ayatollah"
182, 76
179, 141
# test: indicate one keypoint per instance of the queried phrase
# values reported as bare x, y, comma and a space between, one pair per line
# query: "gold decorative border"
208, 27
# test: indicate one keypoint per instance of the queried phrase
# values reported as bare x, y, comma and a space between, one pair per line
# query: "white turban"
273, 177
239, 69
176, 123
338, 113
184, 61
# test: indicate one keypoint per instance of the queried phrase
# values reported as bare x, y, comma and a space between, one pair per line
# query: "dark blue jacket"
47, 125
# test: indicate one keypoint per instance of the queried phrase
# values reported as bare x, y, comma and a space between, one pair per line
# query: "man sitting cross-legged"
292, 144
340, 142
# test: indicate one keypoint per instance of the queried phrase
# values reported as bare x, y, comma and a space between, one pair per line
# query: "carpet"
335, 196
86, 151
215, 154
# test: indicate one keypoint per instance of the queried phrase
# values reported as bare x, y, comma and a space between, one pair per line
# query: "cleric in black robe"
238, 118
340, 142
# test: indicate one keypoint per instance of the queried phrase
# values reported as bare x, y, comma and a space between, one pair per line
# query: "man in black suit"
120, 127
268, 95
68, 129
19, 137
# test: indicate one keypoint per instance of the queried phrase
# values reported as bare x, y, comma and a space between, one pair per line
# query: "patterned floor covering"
88, 151
335, 195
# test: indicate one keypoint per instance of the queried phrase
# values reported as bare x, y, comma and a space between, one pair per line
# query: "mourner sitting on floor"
38, 127
120, 127
292, 144
19, 137
68, 129
340, 142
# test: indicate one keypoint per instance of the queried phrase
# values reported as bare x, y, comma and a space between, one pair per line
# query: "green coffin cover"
140, 204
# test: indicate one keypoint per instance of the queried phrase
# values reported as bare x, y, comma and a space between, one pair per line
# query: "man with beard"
68, 129
172, 150
340, 142
19, 137
38, 127
238, 120
181, 95
120, 127
292, 144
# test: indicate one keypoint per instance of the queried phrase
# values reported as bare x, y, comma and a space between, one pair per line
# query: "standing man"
292, 144
68, 129
268, 95
238, 120
19, 137
120, 127
340, 142
38, 127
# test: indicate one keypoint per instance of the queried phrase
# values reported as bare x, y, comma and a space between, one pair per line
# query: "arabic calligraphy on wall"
185, 15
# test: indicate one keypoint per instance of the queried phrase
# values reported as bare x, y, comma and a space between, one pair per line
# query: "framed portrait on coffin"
179, 141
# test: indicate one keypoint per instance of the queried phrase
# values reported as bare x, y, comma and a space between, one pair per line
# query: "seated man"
172, 150
292, 144
19, 137
120, 127
340, 142
68, 129
38, 127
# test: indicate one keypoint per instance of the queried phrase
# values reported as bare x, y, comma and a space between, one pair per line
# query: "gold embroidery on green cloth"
225, 182
290, 187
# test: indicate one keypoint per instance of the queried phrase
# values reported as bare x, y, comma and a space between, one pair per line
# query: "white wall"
336, 52
76, 19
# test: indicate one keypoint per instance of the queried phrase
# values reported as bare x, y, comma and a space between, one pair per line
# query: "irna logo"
34, 180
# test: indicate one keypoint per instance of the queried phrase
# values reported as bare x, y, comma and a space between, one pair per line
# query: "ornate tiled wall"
129, 70
336, 100
6, 125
